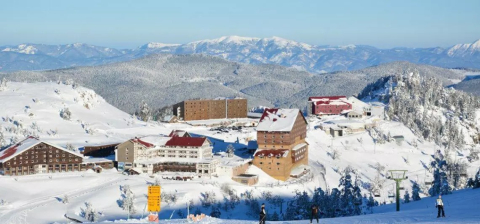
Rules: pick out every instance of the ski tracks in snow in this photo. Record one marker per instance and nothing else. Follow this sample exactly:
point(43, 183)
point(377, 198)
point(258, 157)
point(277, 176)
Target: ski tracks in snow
point(19, 214)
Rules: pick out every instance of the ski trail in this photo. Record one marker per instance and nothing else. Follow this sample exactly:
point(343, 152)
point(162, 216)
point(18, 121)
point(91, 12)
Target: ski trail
point(19, 214)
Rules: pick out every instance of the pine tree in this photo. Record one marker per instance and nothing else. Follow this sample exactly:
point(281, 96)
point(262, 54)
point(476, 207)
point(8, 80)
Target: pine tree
point(415, 192)
point(275, 216)
point(406, 197)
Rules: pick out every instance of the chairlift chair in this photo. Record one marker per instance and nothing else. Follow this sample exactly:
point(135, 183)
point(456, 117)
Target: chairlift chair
point(401, 186)
point(391, 194)
point(376, 193)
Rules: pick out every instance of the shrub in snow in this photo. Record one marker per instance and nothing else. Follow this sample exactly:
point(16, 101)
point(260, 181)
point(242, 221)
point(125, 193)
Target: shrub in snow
point(89, 213)
point(3, 84)
point(65, 114)
point(71, 147)
point(65, 199)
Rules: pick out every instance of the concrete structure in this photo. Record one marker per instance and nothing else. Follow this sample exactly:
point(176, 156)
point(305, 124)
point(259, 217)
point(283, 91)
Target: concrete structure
point(354, 114)
point(281, 142)
point(247, 179)
point(219, 108)
point(329, 105)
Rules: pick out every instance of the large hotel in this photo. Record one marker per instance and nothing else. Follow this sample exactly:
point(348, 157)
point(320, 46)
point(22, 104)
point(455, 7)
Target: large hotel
point(205, 109)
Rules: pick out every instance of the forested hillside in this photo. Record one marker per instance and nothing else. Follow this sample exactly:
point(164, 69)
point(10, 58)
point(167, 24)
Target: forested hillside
point(162, 80)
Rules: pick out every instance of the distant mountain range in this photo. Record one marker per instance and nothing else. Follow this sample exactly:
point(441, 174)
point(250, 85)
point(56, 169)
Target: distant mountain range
point(275, 50)
point(165, 79)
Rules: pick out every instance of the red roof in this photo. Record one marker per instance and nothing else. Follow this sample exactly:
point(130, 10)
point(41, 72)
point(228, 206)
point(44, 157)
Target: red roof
point(186, 141)
point(325, 97)
point(266, 111)
point(146, 144)
point(271, 152)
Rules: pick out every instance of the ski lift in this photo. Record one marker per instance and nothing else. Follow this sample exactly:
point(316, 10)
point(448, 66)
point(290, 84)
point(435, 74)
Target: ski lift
point(428, 180)
point(391, 194)
point(401, 186)
point(376, 193)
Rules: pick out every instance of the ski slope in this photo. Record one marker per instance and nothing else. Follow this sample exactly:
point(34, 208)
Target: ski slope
point(35, 109)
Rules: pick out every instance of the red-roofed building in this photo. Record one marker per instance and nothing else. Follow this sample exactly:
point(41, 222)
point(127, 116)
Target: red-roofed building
point(281, 142)
point(329, 105)
point(31, 156)
point(176, 154)
point(126, 153)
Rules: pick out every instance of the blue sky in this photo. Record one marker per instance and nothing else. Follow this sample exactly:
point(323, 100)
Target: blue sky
point(129, 24)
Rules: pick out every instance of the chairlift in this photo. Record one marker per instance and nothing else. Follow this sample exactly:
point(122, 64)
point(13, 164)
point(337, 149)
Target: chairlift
point(428, 180)
point(463, 175)
point(401, 186)
point(391, 194)
point(376, 193)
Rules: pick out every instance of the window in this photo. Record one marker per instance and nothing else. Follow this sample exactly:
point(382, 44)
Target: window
point(278, 164)
point(261, 163)
point(26, 157)
point(57, 155)
point(76, 159)
point(63, 155)
point(56, 160)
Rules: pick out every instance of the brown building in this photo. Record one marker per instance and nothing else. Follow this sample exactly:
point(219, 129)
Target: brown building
point(281, 142)
point(211, 109)
point(31, 156)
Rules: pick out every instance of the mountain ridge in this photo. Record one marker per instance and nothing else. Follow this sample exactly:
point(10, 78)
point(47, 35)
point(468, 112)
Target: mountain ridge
point(250, 50)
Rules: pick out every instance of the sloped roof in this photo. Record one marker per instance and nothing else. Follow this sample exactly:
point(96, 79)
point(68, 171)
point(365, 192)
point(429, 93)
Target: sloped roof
point(146, 144)
point(25, 145)
point(278, 119)
point(178, 133)
point(186, 141)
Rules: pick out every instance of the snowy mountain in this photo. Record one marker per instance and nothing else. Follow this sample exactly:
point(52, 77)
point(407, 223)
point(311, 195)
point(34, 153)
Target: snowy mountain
point(165, 79)
point(251, 50)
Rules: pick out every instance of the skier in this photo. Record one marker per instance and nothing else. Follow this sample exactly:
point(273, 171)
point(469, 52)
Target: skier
point(314, 213)
point(439, 206)
point(263, 214)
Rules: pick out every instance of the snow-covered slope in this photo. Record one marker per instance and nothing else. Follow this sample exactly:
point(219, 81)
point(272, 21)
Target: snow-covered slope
point(252, 50)
point(35, 108)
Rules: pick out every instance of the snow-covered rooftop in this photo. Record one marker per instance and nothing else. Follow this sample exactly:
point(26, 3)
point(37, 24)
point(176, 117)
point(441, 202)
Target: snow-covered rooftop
point(331, 100)
point(278, 120)
point(26, 144)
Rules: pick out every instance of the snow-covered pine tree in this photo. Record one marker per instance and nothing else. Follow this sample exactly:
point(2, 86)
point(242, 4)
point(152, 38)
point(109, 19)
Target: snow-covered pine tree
point(440, 184)
point(475, 182)
point(275, 216)
point(89, 213)
point(347, 190)
point(145, 112)
point(406, 197)
point(415, 192)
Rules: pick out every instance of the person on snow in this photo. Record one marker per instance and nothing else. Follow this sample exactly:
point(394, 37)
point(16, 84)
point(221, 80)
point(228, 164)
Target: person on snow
point(439, 206)
point(263, 214)
point(314, 213)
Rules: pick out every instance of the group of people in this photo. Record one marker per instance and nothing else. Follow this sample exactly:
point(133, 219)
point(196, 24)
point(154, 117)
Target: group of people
point(315, 211)
point(314, 214)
